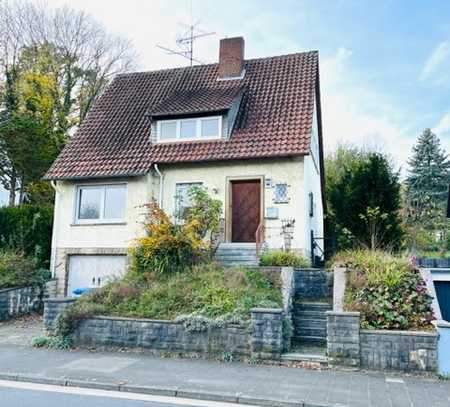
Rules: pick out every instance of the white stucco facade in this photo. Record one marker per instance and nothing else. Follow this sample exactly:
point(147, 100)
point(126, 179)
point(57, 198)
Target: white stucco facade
point(300, 174)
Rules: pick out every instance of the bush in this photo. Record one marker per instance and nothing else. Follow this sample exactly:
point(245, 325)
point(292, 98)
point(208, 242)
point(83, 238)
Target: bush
point(28, 229)
point(388, 291)
point(283, 259)
point(206, 295)
point(170, 247)
point(16, 270)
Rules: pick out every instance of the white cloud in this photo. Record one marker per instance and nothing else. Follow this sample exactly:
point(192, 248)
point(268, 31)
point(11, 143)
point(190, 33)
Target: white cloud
point(440, 54)
point(354, 113)
point(442, 128)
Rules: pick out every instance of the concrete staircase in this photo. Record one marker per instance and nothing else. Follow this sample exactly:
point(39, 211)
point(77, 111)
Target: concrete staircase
point(310, 322)
point(236, 254)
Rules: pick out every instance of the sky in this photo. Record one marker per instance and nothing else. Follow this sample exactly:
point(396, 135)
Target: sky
point(384, 65)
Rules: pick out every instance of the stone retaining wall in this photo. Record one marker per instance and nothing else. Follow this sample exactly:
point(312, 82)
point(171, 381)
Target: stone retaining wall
point(406, 351)
point(22, 300)
point(53, 308)
point(163, 336)
point(343, 346)
point(263, 339)
point(313, 284)
point(398, 350)
point(267, 333)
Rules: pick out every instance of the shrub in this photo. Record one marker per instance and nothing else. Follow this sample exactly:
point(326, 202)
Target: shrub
point(170, 247)
point(388, 291)
point(52, 342)
point(283, 259)
point(16, 270)
point(28, 228)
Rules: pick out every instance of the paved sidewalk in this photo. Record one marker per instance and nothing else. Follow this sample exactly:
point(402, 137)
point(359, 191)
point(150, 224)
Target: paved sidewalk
point(235, 382)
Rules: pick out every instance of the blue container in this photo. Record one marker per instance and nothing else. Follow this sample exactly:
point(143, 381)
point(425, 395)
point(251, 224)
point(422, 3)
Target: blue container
point(443, 328)
point(80, 291)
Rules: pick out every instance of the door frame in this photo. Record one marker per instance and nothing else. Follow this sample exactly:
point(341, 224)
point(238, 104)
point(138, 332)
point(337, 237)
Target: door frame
point(228, 201)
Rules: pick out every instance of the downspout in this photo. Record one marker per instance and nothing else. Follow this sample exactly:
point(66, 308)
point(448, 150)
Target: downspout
point(161, 185)
point(55, 229)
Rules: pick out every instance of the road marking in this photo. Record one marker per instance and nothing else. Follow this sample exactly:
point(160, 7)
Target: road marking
point(113, 394)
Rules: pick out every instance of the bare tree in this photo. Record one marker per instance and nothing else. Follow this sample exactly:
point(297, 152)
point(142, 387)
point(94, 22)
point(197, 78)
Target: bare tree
point(85, 57)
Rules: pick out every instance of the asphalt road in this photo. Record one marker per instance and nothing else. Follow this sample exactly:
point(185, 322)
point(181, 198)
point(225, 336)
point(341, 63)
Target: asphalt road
point(14, 394)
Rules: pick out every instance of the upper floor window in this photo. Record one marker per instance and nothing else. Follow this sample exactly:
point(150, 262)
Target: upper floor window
point(202, 128)
point(100, 203)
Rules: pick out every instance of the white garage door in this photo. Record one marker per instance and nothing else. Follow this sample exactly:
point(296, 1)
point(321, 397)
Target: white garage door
point(93, 271)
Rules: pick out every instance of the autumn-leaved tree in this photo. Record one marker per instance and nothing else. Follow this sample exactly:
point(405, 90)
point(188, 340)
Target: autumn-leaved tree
point(54, 64)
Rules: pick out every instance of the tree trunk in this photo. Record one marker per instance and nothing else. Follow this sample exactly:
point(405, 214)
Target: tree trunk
point(21, 191)
point(12, 189)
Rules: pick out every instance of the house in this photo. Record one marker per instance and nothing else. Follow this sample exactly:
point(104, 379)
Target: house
point(247, 130)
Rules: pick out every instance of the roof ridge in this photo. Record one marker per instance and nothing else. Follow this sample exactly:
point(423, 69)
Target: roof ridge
point(182, 68)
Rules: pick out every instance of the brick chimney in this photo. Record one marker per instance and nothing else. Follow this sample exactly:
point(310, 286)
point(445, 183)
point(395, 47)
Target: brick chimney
point(231, 57)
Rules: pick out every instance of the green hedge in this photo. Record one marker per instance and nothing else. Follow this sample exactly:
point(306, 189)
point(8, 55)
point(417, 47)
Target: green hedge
point(16, 270)
point(28, 228)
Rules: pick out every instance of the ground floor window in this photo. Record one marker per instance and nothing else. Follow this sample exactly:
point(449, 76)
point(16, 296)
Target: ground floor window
point(183, 199)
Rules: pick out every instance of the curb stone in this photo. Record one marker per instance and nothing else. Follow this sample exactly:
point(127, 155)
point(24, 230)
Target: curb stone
point(256, 401)
point(154, 390)
point(208, 395)
point(158, 391)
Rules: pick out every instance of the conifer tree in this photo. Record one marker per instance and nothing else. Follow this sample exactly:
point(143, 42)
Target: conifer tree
point(428, 179)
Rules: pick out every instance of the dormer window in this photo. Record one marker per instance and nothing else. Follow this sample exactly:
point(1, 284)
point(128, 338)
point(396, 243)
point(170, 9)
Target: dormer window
point(201, 128)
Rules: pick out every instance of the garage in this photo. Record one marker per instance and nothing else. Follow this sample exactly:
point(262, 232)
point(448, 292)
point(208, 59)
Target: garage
point(91, 271)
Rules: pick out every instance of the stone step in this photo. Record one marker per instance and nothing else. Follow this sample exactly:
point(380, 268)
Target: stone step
point(235, 256)
point(299, 313)
point(312, 306)
point(305, 357)
point(312, 340)
point(309, 323)
point(311, 331)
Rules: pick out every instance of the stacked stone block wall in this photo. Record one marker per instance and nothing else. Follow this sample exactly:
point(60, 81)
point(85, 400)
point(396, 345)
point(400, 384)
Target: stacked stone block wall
point(53, 308)
point(398, 350)
point(267, 333)
point(22, 300)
point(405, 351)
point(343, 347)
point(163, 336)
point(263, 339)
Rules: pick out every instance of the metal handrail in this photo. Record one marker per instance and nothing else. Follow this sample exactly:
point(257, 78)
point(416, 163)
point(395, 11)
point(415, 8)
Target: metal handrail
point(259, 237)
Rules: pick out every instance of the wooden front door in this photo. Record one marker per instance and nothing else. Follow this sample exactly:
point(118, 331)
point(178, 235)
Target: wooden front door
point(245, 210)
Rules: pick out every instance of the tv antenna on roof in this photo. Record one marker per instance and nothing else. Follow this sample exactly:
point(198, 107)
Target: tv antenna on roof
point(185, 41)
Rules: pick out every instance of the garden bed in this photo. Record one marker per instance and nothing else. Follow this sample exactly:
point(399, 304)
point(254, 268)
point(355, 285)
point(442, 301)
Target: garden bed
point(389, 292)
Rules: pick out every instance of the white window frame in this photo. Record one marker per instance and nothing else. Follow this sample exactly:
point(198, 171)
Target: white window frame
point(201, 184)
point(197, 137)
point(101, 219)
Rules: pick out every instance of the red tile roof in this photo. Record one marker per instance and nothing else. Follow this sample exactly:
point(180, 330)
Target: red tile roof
point(188, 101)
point(274, 120)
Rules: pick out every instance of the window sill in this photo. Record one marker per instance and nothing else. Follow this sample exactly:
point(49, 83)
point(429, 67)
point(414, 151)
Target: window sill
point(100, 224)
